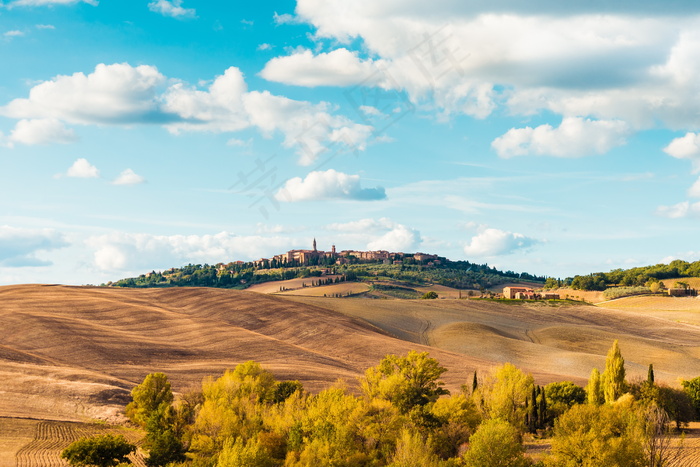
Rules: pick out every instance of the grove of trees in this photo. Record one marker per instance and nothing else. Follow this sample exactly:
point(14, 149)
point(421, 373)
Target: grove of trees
point(641, 276)
point(403, 416)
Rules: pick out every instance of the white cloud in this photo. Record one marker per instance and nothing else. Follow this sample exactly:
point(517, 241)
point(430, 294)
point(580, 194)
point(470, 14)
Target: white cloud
point(128, 177)
point(400, 239)
point(686, 147)
point(219, 109)
point(377, 234)
point(265, 46)
point(339, 67)
point(41, 131)
point(286, 18)
point(13, 33)
point(575, 137)
point(45, 26)
point(594, 60)
point(495, 242)
point(112, 94)
point(120, 94)
point(680, 210)
point(19, 246)
point(327, 185)
point(309, 128)
point(119, 252)
point(172, 8)
point(81, 168)
point(370, 111)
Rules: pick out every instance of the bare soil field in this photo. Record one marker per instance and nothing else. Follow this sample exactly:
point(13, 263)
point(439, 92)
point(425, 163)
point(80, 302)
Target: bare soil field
point(677, 309)
point(74, 353)
point(694, 282)
point(689, 446)
point(552, 342)
point(446, 292)
point(590, 296)
point(39, 443)
point(278, 286)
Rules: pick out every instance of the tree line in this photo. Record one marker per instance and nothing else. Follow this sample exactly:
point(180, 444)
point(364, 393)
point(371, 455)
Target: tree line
point(640, 276)
point(458, 274)
point(404, 416)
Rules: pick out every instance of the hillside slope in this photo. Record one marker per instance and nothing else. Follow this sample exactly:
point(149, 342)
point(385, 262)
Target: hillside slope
point(75, 352)
point(567, 341)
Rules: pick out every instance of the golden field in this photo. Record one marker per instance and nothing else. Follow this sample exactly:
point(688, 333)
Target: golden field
point(70, 355)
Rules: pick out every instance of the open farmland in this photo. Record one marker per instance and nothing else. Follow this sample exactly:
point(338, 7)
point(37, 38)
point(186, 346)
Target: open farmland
point(71, 354)
point(563, 340)
point(680, 309)
point(38, 443)
point(75, 352)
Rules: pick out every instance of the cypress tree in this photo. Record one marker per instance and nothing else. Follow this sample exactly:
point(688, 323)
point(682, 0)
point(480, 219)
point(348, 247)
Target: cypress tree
point(475, 383)
point(650, 374)
point(543, 409)
point(534, 416)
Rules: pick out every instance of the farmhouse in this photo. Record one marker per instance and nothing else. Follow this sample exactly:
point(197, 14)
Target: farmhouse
point(517, 292)
point(526, 293)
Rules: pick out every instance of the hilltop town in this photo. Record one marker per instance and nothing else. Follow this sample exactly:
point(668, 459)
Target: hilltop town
point(350, 265)
point(294, 258)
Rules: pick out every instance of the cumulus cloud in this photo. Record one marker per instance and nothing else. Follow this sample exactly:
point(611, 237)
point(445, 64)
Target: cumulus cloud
point(81, 168)
point(495, 242)
point(13, 33)
point(227, 106)
point(327, 185)
point(378, 234)
point(41, 131)
point(339, 67)
point(400, 238)
point(112, 94)
point(686, 147)
point(19, 246)
point(118, 251)
point(129, 177)
point(575, 137)
point(172, 8)
point(120, 94)
point(310, 128)
point(634, 63)
point(219, 108)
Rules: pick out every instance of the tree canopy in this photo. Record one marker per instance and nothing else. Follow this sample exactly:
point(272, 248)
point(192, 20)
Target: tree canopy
point(101, 451)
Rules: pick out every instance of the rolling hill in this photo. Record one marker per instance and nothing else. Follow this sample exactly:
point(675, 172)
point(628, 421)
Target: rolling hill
point(563, 340)
point(74, 353)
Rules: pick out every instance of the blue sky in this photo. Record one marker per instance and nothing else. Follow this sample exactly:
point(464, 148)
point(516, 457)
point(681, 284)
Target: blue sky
point(140, 135)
